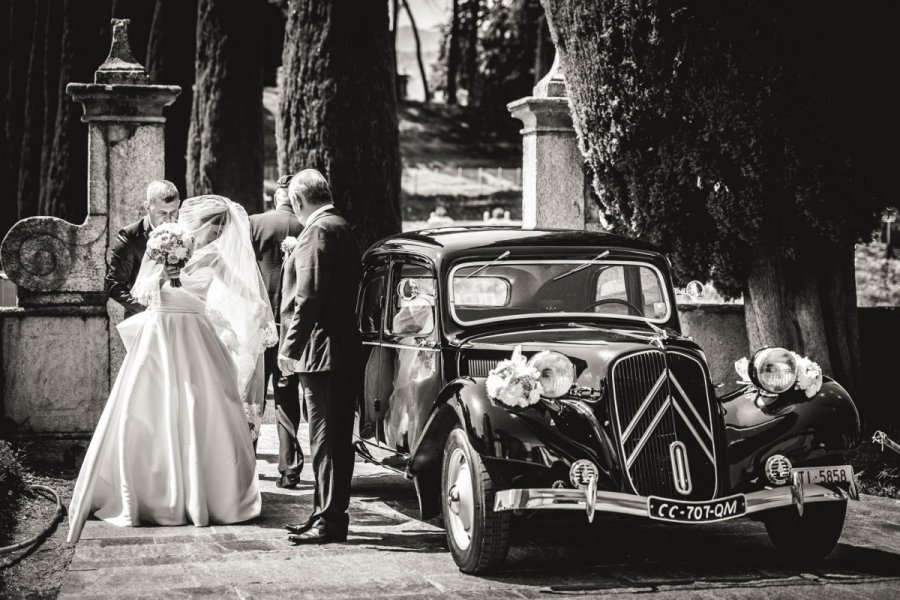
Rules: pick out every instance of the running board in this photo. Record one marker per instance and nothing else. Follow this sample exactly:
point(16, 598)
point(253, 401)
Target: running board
point(392, 462)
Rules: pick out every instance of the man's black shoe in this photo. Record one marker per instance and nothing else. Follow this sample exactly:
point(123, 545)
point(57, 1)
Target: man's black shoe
point(300, 528)
point(317, 536)
point(288, 482)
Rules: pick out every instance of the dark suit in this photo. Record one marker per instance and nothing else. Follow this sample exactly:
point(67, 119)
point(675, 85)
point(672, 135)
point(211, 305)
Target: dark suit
point(319, 330)
point(124, 261)
point(267, 231)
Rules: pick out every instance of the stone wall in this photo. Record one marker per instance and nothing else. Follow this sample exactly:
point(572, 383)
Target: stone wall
point(55, 374)
point(60, 349)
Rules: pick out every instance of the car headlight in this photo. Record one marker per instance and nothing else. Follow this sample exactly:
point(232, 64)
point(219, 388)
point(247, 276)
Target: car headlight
point(557, 372)
point(773, 370)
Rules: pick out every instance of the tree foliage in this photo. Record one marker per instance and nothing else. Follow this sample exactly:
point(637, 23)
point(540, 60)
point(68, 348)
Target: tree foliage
point(715, 128)
point(502, 60)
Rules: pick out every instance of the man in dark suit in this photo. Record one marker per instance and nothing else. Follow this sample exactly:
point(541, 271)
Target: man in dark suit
point(320, 341)
point(267, 232)
point(127, 250)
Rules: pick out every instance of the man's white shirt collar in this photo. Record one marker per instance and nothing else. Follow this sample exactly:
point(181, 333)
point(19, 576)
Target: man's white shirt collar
point(317, 212)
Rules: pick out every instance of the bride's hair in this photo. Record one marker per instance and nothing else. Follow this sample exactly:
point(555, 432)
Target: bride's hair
point(205, 217)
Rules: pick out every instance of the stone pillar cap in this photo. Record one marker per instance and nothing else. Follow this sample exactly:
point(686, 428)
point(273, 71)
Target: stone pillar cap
point(553, 84)
point(121, 66)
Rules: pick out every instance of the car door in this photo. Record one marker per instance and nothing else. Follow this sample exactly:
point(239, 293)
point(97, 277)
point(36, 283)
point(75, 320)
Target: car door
point(370, 311)
point(411, 350)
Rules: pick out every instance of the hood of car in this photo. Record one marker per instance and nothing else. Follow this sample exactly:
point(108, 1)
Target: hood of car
point(591, 349)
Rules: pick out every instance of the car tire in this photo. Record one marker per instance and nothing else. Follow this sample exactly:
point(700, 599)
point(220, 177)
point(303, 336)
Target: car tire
point(810, 537)
point(477, 536)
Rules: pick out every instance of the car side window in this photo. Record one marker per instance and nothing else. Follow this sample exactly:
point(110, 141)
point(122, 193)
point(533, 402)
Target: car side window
point(371, 299)
point(412, 306)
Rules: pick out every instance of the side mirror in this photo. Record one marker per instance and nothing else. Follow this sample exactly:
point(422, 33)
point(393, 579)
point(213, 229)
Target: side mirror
point(694, 289)
point(408, 290)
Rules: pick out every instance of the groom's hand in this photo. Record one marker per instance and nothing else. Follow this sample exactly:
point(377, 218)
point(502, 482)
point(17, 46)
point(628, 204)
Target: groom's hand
point(286, 365)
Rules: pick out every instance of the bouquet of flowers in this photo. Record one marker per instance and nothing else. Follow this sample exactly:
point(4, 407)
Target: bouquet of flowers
point(288, 245)
point(513, 382)
point(170, 245)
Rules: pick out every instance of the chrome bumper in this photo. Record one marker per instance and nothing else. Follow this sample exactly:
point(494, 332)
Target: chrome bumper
point(796, 494)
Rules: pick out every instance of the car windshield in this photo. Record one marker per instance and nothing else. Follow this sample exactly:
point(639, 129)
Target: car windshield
point(513, 289)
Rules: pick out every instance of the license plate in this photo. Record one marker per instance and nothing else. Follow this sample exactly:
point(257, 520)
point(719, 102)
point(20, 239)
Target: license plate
point(682, 511)
point(841, 474)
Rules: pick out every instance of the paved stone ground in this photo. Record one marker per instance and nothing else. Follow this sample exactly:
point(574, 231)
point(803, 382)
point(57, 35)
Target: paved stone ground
point(390, 553)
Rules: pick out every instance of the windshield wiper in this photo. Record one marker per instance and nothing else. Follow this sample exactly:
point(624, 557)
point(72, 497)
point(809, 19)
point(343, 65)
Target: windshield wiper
point(485, 266)
point(582, 266)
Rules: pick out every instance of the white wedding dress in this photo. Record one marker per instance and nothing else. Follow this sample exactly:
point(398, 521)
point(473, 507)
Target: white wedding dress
point(173, 444)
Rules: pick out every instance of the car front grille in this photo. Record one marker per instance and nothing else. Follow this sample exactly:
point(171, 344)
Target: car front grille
point(665, 425)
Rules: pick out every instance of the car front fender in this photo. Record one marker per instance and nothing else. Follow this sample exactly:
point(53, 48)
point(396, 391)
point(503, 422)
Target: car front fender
point(520, 438)
point(808, 431)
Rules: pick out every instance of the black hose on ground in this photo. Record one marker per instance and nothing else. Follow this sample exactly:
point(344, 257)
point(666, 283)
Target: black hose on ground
point(60, 511)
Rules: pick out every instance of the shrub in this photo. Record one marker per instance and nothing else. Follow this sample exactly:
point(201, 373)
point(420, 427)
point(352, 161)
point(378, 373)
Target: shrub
point(12, 489)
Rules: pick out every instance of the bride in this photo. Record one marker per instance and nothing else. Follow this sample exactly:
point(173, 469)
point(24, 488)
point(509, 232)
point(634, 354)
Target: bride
point(173, 443)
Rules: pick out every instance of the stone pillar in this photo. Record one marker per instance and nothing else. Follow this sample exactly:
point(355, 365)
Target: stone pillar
point(59, 344)
point(553, 181)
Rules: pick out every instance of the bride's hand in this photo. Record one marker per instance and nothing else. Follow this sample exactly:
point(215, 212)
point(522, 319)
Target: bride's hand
point(169, 272)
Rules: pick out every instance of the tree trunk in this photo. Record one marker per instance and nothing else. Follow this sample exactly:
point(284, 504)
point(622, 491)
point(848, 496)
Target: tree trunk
point(225, 141)
point(453, 54)
point(339, 108)
point(808, 306)
point(51, 73)
point(172, 41)
point(29, 178)
point(83, 46)
point(470, 59)
point(21, 32)
point(7, 211)
point(422, 72)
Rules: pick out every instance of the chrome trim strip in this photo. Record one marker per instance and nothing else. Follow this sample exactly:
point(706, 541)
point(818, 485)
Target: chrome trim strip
point(402, 346)
point(690, 404)
point(643, 408)
point(681, 472)
point(650, 428)
point(696, 435)
point(628, 504)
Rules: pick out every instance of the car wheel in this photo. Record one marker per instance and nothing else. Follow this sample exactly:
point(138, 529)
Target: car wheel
point(478, 537)
point(810, 537)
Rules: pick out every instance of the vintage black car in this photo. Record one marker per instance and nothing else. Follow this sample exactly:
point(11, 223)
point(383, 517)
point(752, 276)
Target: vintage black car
point(627, 420)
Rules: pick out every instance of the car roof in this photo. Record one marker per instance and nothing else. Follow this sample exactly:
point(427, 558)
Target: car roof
point(447, 243)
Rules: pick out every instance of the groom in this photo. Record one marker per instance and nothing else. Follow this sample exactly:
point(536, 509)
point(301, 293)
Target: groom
point(320, 342)
point(127, 250)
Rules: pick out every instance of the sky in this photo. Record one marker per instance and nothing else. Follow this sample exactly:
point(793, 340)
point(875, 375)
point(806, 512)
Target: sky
point(428, 13)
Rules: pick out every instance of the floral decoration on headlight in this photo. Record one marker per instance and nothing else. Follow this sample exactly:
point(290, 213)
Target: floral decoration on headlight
point(809, 374)
point(513, 382)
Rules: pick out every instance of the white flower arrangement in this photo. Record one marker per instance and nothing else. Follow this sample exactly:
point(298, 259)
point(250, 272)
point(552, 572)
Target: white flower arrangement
point(513, 382)
point(288, 245)
point(742, 367)
point(170, 244)
point(809, 374)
